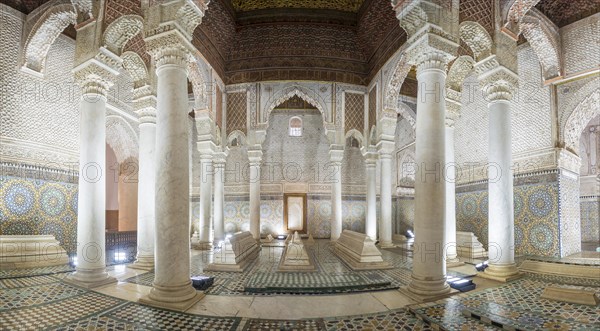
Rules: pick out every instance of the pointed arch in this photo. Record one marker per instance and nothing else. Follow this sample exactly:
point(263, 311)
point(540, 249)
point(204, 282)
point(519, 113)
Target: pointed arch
point(353, 133)
point(460, 69)
point(477, 38)
point(120, 31)
point(407, 113)
point(544, 38)
point(234, 137)
point(136, 68)
point(585, 111)
point(121, 137)
point(295, 90)
point(512, 13)
point(51, 23)
point(401, 68)
point(198, 76)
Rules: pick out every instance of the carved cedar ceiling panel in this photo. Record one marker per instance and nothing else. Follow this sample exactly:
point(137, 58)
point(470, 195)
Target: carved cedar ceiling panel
point(478, 11)
point(24, 6)
point(342, 5)
point(300, 40)
point(565, 12)
point(118, 8)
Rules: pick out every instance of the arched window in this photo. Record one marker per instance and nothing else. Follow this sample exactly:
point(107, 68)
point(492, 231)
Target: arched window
point(295, 127)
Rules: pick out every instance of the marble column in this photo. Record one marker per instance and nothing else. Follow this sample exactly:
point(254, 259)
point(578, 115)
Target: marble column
point(172, 287)
point(385, 183)
point(206, 181)
point(219, 178)
point(501, 234)
point(255, 158)
point(450, 178)
point(91, 218)
point(146, 190)
point(336, 155)
point(371, 221)
point(428, 278)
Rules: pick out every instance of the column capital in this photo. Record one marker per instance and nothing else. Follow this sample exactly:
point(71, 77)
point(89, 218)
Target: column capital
point(336, 153)
point(385, 148)
point(206, 147)
point(169, 28)
point(497, 82)
point(169, 48)
point(255, 156)
point(95, 77)
point(145, 104)
point(219, 158)
point(429, 59)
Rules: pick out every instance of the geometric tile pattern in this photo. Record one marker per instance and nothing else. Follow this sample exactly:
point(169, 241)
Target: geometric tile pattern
point(536, 205)
point(354, 115)
point(590, 221)
point(27, 281)
point(237, 215)
point(149, 317)
point(35, 295)
point(32, 207)
point(29, 272)
point(333, 276)
point(55, 313)
point(261, 324)
point(395, 320)
point(516, 304)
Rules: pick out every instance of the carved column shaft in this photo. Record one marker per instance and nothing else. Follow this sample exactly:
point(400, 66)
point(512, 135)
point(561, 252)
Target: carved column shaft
point(206, 181)
point(385, 225)
point(91, 215)
point(172, 287)
point(146, 188)
point(428, 274)
point(336, 155)
point(371, 221)
point(452, 112)
point(219, 178)
point(498, 85)
point(255, 158)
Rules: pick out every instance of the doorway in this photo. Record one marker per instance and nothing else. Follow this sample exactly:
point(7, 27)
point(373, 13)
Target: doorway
point(294, 212)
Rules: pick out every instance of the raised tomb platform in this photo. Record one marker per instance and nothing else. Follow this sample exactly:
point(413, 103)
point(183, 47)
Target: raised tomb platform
point(358, 252)
point(17, 252)
point(295, 257)
point(468, 245)
point(236, 254)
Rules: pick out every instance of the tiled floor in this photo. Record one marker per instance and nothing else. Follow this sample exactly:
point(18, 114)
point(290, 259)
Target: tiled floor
point(45, 302)
point(333, 276)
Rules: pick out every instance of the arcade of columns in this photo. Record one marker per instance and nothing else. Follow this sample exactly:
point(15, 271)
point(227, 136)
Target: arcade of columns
point(163, 224)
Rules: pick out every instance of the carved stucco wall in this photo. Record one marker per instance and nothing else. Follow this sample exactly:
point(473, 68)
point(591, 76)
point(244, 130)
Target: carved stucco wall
point(580, 46)
point(284, 155)
point(40, 118)
point(531, 114)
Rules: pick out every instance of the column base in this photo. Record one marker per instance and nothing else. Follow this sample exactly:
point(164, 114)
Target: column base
point(143, 263)
point(386, 244)
point(427, 290)
point(453, 262)
point(202, 246)
point(90, 278)
point(181, 306)
point(419, 298)
point(501, 273)
point(178, 297)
